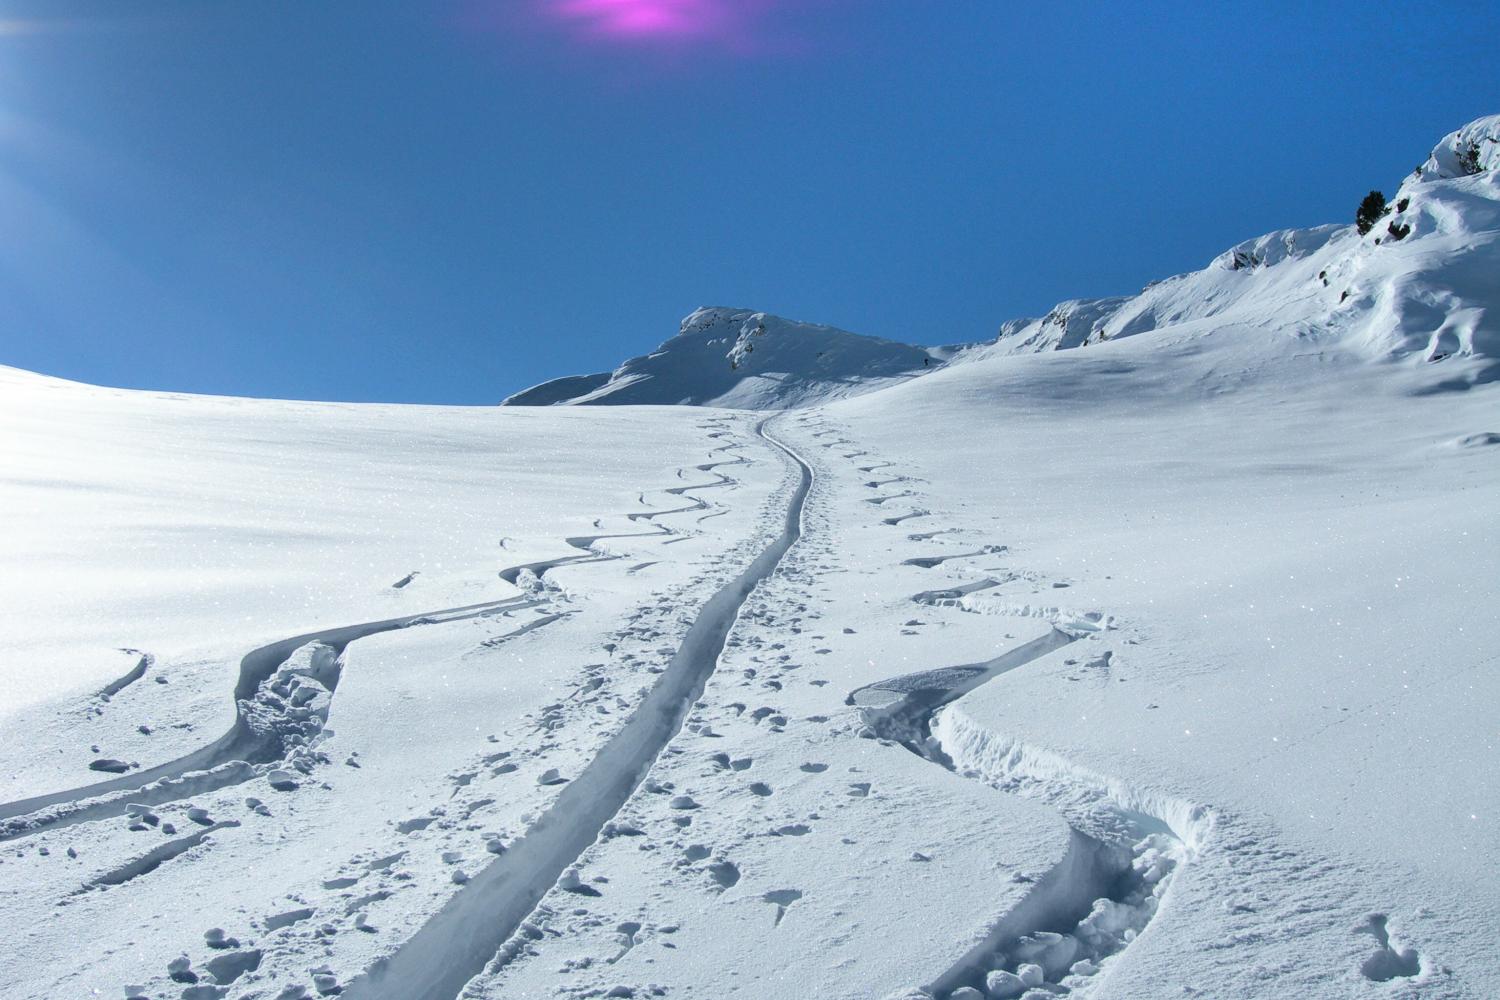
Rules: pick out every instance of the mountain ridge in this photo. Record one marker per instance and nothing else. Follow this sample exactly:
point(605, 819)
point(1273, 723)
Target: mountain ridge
point(1416, 288)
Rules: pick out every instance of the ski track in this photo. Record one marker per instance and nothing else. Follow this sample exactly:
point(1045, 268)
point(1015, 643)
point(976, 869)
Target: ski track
point(928, 562)
point(901, 710)
point(457, 942)
point(154, 858)
point(143, 663)
point(242, 754)
point(233, 757)
point(950, 596)
point(460, 939)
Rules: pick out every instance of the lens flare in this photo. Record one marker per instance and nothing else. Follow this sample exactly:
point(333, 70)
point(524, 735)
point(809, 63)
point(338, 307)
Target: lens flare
point(636, 18)
point(671, 33)
point(732, 22)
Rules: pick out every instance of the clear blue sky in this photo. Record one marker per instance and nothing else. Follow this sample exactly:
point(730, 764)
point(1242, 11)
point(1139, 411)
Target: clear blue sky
point(448, 200)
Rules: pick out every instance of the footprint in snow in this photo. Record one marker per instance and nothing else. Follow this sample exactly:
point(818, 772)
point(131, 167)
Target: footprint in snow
point(782, 898)
point(1391, 961)
point(414, 824)
point(725, 873)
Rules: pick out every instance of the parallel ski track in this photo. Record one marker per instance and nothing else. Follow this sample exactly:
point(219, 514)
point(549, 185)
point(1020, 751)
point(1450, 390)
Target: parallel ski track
point(457, 942)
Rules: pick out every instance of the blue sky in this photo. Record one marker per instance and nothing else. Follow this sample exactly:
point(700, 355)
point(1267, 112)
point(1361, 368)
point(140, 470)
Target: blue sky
point(414, 200)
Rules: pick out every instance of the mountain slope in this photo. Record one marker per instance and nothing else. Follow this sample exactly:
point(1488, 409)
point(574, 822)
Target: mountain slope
point(1414, 289)
point(743, 359)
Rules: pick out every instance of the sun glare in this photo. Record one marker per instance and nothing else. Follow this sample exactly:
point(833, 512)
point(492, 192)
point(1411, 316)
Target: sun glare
point(14, 26)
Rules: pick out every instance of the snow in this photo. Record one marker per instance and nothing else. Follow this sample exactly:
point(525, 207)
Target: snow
point(738, 358)
point(1146, 651)
point(1300, 574)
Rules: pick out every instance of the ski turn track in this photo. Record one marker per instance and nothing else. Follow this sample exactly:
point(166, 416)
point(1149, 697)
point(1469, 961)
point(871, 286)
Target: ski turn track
point(1106, 889)
point(243, 753)
point(457, 942)
point(237, 756)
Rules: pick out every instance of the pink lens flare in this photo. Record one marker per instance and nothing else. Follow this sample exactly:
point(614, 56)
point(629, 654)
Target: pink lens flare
point(668, 31)
point(648, 18)
point(734, 24)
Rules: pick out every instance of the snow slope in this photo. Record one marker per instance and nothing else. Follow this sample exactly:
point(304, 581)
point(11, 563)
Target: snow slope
point(742, 359)
point(210, 522)
point(1295, 554)
point(393, 800)
point(1161, 667)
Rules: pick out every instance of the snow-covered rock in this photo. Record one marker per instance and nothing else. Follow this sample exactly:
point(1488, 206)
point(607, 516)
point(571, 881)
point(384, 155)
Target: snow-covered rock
point(744, 359)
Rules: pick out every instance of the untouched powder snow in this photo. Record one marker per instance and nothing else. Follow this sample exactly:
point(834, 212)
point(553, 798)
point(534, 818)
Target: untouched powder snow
point(1161, 664)
point(749, 360)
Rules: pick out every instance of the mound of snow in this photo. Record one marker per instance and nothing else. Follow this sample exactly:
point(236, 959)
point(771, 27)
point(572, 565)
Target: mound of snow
point(1477, 144)
point(738, 358)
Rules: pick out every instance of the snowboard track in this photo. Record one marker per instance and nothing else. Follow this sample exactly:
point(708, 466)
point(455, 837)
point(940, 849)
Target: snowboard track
point(457, 942)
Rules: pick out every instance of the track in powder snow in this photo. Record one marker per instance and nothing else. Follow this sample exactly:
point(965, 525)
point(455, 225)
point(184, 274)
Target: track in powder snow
point(460, 939)
point(245, 752)
point(1065, 902)
point(230, 759)
point(456, 943)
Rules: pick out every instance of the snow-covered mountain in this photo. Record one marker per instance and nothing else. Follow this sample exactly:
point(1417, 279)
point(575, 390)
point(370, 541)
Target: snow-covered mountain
point(1415, 288)
point(743, 359)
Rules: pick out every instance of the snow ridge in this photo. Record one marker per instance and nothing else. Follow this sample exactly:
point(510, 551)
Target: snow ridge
point(1415, 288)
